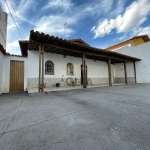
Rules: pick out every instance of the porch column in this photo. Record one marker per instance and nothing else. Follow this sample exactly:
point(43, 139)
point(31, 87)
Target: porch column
point(109, 71)
point(42, 67)
point(39, 66)
point(135, 71)
point(83, 70)
point(125, 73)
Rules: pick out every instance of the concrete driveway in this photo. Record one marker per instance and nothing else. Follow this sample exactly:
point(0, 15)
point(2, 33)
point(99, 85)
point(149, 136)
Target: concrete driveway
point(107, 118)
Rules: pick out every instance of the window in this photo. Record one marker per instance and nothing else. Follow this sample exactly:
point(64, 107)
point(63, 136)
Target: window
point(69, 69)
point(49, 68)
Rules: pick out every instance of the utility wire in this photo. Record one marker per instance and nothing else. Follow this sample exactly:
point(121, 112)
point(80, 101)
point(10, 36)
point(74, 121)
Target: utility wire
point(13, 18)
point(17, 18)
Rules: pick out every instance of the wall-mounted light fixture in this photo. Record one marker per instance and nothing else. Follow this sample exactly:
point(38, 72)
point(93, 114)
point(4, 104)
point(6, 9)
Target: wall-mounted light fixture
point(64, 56)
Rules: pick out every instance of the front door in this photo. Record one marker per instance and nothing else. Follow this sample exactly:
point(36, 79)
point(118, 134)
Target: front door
point(16, 76)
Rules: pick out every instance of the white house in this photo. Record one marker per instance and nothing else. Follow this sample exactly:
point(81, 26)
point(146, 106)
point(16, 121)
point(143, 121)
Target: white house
point(48, 60)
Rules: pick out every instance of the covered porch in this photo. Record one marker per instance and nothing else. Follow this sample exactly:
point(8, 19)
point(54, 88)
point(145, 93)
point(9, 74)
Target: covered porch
point(53, 45)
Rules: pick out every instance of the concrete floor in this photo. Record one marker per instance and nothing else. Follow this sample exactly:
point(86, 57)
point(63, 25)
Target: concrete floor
point(106, 118)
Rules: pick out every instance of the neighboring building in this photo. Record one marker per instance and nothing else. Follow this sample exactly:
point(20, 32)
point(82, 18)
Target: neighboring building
point(3, 33)
point(3, 28)
point(137, 40)
point(58, 59)
point(142, 67)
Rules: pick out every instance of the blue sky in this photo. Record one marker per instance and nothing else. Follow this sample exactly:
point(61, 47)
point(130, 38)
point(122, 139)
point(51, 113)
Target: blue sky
point(100, 23)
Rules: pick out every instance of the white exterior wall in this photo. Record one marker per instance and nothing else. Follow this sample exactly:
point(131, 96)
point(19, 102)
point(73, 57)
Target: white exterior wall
point(120, 75)
point(1, 72)
point(142, 67)
point(97, 71)
point(3, 28)
point(6, 72)
point(59, 64)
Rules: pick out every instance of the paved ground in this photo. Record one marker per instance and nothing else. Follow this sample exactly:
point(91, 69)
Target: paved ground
point(107, 118)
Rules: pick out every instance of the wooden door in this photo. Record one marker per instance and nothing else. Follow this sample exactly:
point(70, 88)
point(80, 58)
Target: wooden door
point(16, 76)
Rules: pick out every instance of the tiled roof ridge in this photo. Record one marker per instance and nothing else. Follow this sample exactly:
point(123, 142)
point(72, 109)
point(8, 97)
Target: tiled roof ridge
point(58, 38)
point(79, 40)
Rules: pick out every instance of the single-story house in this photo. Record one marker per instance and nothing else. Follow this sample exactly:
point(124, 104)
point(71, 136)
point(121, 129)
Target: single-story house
point(50, 61)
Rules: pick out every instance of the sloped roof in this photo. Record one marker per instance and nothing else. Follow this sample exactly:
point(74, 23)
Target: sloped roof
point(144, 37)
point(79, 41)
point(66, 47)
point(2, 49)
point(24, 47)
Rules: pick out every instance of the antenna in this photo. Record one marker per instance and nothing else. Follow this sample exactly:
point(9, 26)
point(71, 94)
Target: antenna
point(64, 29)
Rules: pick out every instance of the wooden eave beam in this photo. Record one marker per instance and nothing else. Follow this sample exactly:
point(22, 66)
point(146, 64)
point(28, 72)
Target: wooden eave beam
point(88, 53)
point(91, 53)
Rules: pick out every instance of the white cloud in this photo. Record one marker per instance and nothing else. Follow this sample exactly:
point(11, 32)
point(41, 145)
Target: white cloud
point(23, 8)
point(54, 25)
point(102, 7)
point(20, 9)
point(102, 28)
point(13, 47)
point(135, 32)
point(13, 44)
point(143, 31)
point(131, 18)
point(97, 8)
point(65, 4)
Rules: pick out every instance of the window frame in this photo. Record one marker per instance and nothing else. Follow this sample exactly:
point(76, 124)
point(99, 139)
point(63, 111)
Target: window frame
point(69, 73)
point(52, 67)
